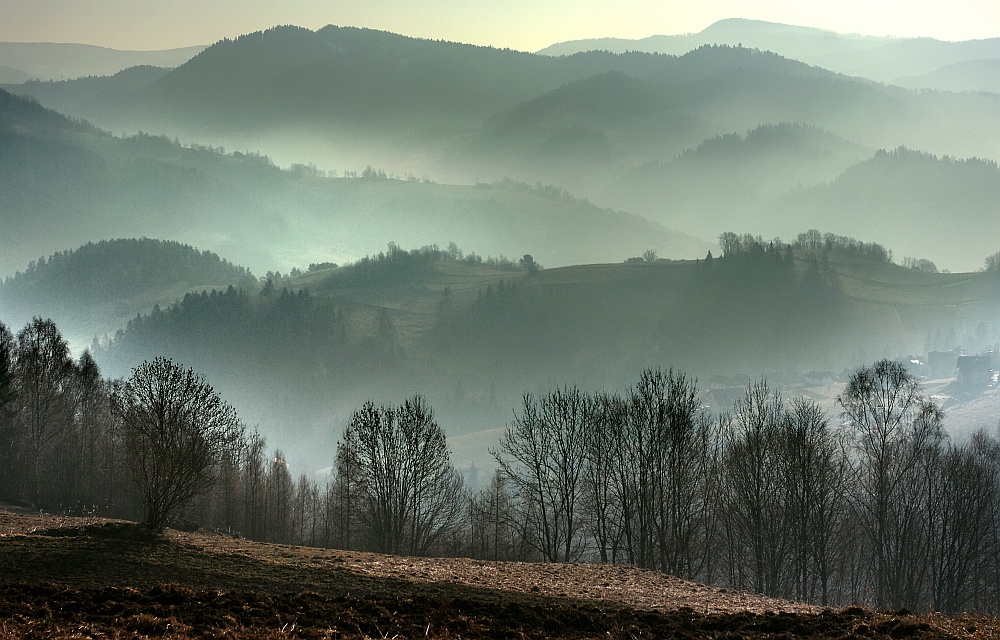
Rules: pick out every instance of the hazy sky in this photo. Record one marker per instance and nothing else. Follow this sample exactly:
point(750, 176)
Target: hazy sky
point(519, 24)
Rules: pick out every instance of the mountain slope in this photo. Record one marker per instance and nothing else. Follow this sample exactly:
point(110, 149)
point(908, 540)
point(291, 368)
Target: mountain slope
point(731, 181)
point(972, 75)
point(939, 208)
point(69, 183)
point(59, 61)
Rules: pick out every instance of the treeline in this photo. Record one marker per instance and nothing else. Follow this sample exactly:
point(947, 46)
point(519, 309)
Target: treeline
point(737, 244)
point(397, 265)
point(776, 496)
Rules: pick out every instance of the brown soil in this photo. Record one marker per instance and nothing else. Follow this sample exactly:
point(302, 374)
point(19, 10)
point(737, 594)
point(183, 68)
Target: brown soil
point(67, 577)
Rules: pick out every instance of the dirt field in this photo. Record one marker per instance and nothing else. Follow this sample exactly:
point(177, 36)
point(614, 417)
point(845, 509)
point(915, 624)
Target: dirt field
point(87, 578)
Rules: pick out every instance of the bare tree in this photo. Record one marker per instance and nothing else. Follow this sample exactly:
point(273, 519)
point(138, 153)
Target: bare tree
point(680, 474)
point(412, 492)
point(494, 530)
point(43, 372)
point(344, 495)
point(8, 434)
point(814, 468)
point(543, 453)
point(176, 429)
point(278, 505)
point(601, 505)
point(253, 474)
point(755, 477)
point(892, 429)
point(963, 529)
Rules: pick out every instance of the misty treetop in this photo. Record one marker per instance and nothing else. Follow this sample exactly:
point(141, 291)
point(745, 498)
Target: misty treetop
point(747, 244)
point(397, 266)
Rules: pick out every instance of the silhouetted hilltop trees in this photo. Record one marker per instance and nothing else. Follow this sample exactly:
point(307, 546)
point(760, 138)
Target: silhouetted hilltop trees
point(397, 266)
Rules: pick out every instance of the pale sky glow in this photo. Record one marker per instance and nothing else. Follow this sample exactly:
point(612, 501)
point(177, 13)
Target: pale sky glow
point(519, 24)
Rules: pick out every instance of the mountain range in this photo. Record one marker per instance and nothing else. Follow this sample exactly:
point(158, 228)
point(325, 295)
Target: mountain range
point(912, 62)
point(630, 131)
point(68, 183)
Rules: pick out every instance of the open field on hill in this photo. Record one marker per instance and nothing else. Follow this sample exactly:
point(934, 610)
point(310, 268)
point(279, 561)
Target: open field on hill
point(89, 578)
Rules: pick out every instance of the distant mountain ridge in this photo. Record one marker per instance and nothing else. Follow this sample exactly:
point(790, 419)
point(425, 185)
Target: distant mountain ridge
point(885, 59)
point(797, 41)
point(971, 75)
point(63, 61)
point(596, 123)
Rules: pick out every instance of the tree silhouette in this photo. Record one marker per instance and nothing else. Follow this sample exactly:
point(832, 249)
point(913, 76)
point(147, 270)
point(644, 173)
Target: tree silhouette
point(176, 429)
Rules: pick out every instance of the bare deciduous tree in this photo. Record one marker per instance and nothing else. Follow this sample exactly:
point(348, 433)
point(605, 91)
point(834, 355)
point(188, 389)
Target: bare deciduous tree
point(543, 453)
point(963, 529)
point(892, 431)
point(43, 371)
point(8, 435)
point(756, 511)
point(412, 491)
point(175, 429)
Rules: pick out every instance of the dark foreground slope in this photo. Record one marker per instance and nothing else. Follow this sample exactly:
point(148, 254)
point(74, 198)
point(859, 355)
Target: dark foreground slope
point(98, 579)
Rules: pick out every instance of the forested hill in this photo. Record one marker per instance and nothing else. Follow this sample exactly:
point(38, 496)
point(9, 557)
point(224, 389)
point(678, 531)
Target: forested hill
point(97, 287)
point(118, 268)
point(473, 335)
point(937, 207)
